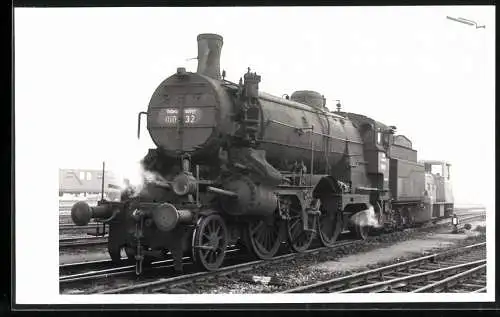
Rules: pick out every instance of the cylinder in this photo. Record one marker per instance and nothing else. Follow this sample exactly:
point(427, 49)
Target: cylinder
point(81, 213)
point(166, 217)
point(253, 200)
point(209, 51)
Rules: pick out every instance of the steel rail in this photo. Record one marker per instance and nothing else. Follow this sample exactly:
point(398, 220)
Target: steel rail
point(116, 271)
point(346, 281)
point(92, 265)
point(82, 242)
point(67, 226)
point(472, 217)
point(462, 218)
point(75, 239)
point(482, 289)
point(406, 280)
point(121, 270)
point(453, 280)
point(189, 278)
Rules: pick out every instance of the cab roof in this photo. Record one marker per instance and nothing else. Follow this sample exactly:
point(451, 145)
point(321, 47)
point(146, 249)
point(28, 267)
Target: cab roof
point(435, 162)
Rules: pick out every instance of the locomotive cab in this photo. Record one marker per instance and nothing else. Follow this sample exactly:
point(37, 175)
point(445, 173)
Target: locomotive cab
point(438, 182)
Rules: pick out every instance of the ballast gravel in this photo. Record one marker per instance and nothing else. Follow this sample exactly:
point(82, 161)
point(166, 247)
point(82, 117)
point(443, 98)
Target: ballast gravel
point(303, 270)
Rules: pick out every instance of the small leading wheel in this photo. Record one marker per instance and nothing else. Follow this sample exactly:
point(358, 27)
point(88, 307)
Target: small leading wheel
point(117, 253)
point(299, 239)
point(264, 238)
point(361, 228)
point(329, 227)
point(127, 254)
point(130, 256)
point(210, 242)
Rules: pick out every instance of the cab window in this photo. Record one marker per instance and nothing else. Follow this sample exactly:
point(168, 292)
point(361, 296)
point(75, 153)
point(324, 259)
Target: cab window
point(386, 139)
point(379, 138)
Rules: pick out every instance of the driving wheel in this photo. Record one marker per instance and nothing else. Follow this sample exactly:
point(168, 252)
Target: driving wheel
point(210, 242)
point(264, 237)
point(329, 227)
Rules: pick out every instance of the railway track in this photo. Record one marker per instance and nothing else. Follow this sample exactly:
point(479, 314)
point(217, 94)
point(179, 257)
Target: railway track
point(89, 269)
point(106, 269)
point(437, 272)
point(85, 266)
point(71, 227)
point(463, 218)
point(158, 285)
point(472, 280)
point(68, 243)
point(68, 282)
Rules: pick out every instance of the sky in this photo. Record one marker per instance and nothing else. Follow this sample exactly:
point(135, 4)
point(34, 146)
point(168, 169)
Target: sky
point(83, 74)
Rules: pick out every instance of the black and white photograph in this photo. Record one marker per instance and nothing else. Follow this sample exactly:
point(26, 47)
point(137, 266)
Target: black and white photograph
point(254, 154)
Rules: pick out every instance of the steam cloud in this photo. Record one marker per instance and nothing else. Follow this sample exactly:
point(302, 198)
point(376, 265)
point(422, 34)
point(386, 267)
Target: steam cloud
point(369, 219)
point(136, 186)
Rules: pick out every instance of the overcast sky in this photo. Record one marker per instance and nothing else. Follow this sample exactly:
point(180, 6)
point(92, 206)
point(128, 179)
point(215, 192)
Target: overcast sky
point(82, 75)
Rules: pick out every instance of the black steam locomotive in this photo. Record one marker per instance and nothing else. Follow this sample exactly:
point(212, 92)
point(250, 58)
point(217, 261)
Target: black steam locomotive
point(234, 165)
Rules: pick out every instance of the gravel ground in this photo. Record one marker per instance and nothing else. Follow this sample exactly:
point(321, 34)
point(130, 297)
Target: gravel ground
point(376, 251)
point(65, 219)
point(76, 232)
point(402, 249)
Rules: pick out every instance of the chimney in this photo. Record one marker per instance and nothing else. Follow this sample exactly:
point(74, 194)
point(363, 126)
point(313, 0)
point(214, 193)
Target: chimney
point(209, 48)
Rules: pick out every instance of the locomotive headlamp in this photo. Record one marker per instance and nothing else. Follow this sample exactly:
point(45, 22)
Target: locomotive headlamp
point(184, 184)
point(454, 220)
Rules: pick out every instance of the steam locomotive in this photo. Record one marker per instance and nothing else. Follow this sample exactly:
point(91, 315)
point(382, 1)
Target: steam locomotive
point(234, 165)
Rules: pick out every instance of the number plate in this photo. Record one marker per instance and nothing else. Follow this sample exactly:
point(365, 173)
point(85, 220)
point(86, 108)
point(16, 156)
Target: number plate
point(191, 116)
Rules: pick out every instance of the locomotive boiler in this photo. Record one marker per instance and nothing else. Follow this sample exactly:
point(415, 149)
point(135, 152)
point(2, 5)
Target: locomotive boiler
point(236, 166)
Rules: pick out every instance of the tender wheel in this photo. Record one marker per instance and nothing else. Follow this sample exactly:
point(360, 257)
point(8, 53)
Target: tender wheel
point(299, 239)
point(264, 238)
point(329, 227)
point(361, 228)
point(210, 242)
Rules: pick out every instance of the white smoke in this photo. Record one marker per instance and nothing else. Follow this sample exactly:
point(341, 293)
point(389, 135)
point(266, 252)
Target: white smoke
point(124, 157)
point(366, 217)
point(137, 184)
